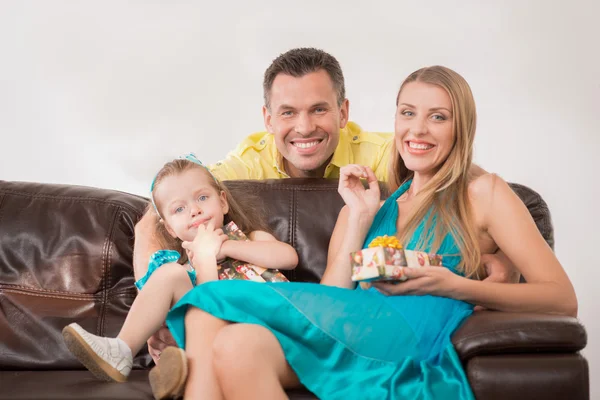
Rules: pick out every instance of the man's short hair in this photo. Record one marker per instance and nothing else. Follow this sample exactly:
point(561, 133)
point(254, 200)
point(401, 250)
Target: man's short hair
point(303, 61)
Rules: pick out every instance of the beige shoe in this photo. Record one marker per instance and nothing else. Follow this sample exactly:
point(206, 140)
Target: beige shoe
point(168, 378)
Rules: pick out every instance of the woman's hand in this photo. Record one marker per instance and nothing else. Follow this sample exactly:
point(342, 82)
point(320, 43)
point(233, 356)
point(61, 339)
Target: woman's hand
point(206, 245)
point(436, 281)
point(357, 198)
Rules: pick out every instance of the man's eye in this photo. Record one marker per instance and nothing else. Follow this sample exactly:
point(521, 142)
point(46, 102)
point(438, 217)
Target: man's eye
point(287, 113)
point(320, 110)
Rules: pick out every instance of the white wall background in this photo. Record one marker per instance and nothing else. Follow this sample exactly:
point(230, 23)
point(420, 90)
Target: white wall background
point(101, 93)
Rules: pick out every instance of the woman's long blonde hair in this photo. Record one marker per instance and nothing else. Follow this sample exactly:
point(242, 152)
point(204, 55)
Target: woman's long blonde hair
point(444, 201)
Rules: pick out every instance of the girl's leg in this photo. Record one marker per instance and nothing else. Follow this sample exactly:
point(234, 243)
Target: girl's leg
point(250, 364)
point(201, 329)
point(112, 358)
point(165, 287)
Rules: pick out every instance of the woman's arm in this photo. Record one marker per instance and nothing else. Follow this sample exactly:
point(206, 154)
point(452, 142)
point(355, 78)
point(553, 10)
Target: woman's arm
point(353, 223)
point(509, 223)
point(348, 236)
point(263, 249)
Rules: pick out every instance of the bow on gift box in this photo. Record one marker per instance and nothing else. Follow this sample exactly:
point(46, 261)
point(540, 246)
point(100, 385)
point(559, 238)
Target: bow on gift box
point(386, 241)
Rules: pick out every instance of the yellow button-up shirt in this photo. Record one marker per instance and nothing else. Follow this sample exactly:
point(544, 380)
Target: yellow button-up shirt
point(256, 157)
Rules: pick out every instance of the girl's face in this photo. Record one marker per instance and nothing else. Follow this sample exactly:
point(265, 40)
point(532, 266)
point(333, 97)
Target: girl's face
point(188, 199)
point(423, 127)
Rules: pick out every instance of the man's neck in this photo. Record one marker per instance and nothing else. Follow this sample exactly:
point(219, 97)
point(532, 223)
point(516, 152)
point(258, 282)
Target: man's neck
point(294, 172)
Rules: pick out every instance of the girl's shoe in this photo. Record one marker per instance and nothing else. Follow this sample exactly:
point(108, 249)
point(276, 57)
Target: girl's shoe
point(168, 378)
point(108, 359)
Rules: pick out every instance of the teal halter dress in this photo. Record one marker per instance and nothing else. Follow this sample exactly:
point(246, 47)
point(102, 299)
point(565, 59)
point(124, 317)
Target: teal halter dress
point(351, 344)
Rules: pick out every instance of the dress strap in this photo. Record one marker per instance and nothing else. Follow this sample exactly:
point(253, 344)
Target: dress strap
point(384, 222)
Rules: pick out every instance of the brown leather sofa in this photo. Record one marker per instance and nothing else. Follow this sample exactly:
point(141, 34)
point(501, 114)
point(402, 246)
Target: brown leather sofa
point(65, 255)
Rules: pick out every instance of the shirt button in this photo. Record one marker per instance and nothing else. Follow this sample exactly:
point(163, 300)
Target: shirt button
point(355, 138)
point(219, 163)
point(262, 142)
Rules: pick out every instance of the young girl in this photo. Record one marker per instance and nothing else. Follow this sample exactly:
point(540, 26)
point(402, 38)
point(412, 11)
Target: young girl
point(191, 206)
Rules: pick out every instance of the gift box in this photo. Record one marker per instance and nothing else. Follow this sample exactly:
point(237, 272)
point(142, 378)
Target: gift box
point(385, 260)
point(235, 269)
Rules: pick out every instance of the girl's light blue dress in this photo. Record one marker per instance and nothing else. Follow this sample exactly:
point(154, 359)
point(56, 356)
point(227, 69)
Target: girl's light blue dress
point(351, 344)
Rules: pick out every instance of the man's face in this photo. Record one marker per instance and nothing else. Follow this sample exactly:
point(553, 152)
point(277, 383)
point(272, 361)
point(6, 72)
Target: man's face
point(305, 120)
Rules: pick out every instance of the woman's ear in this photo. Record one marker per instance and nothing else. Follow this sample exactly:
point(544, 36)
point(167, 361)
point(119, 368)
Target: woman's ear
point(224, 203)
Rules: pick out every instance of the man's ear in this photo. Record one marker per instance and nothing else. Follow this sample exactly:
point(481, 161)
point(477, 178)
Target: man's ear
point(344, 113)
point(267, 119)
point(224, 203)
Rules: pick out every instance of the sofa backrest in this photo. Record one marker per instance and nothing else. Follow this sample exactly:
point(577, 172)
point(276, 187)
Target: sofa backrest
point(66, 256)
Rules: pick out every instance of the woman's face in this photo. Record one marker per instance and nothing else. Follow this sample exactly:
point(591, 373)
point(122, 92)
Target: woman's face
point(423, 128)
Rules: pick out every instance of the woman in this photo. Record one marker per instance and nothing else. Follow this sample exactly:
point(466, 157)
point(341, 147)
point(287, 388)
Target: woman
point(389, 340)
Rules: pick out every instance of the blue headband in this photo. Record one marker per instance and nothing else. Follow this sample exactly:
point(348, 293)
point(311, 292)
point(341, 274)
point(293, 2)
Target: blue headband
point(189, 157)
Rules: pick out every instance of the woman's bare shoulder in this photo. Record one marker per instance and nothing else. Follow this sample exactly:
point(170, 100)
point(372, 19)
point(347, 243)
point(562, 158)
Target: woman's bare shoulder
point(485, 188)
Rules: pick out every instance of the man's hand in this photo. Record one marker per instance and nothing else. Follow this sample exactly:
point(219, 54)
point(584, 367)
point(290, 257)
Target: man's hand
point(499, 269)
point(159, 342)
point(145, 243)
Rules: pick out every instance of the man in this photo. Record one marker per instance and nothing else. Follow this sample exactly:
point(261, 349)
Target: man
point(308, 135)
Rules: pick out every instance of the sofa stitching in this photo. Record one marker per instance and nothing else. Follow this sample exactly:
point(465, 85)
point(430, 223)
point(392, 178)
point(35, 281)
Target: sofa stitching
point(22, 288)
point(63, 297)
point(54, 294)
point(106, 248)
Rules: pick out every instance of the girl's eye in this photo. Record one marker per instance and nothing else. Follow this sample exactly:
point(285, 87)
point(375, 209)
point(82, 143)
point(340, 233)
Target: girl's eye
point(203, 198)
point(178, 209)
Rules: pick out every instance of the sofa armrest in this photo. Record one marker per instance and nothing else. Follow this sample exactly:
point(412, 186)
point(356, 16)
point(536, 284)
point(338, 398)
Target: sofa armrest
point(495, 332)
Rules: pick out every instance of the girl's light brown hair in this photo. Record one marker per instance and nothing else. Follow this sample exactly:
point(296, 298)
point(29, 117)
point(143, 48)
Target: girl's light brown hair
point(446, 194)
point(248, 218)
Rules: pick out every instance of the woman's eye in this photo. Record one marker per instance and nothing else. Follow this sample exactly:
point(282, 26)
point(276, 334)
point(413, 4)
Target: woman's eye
point(438, 117)
point(407, 113)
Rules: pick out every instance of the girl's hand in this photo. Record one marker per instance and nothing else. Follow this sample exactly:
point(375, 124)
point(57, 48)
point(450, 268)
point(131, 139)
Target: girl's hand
point(206, 244)
point(223, 254)
point(357, 198)
point(436, 281)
